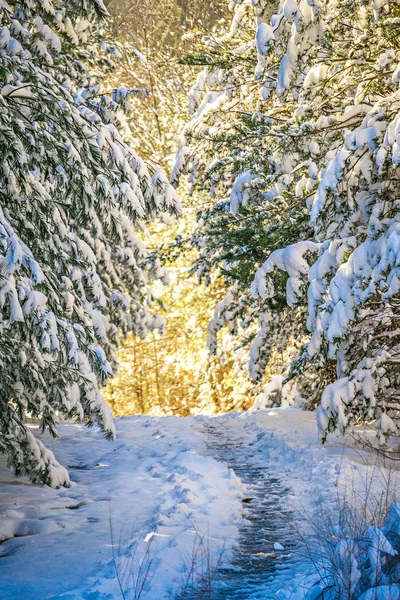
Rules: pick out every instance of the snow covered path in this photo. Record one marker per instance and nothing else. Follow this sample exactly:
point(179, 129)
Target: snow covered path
point(264, 526)
point(162, 486)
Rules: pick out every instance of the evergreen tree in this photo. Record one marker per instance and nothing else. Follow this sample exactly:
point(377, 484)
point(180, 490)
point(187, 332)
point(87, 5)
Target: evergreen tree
point(74, 272)
point(294, 130)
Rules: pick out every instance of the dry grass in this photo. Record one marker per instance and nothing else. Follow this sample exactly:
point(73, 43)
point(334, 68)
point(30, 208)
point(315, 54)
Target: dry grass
point(341, 543)
point(134, 555)
point(200, 568)
point(133, 560)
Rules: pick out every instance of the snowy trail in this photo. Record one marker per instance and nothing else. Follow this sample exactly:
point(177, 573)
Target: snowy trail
point(265, 517)
point(167, 479)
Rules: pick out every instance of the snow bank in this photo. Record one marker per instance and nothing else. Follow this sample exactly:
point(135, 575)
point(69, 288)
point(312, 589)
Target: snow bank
point(154, 483)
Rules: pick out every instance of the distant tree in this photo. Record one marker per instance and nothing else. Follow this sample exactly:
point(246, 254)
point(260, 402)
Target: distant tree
point(162, 32)
point(163, 23)
point(173, 373)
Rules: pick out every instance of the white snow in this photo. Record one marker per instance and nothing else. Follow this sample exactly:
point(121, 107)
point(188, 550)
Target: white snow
point(290, 259)
point(156, 488)
point(153, 482)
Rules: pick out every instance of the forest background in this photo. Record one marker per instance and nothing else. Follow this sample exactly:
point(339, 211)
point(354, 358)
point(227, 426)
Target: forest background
point(174, 372)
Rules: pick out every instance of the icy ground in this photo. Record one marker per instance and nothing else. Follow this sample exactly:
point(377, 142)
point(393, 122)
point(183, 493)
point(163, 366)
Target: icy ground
point(163, 498)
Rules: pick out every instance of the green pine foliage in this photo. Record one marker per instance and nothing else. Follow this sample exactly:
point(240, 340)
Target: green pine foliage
point(73, 195)
point(294, 135)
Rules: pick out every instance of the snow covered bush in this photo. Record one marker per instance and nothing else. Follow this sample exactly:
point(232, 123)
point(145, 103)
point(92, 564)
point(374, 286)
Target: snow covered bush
point(294, 130)
point(74, 272)
point(356, 552)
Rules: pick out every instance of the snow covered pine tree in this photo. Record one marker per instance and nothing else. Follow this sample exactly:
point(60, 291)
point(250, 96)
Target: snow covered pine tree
point(73, 272)
point(303, 159)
